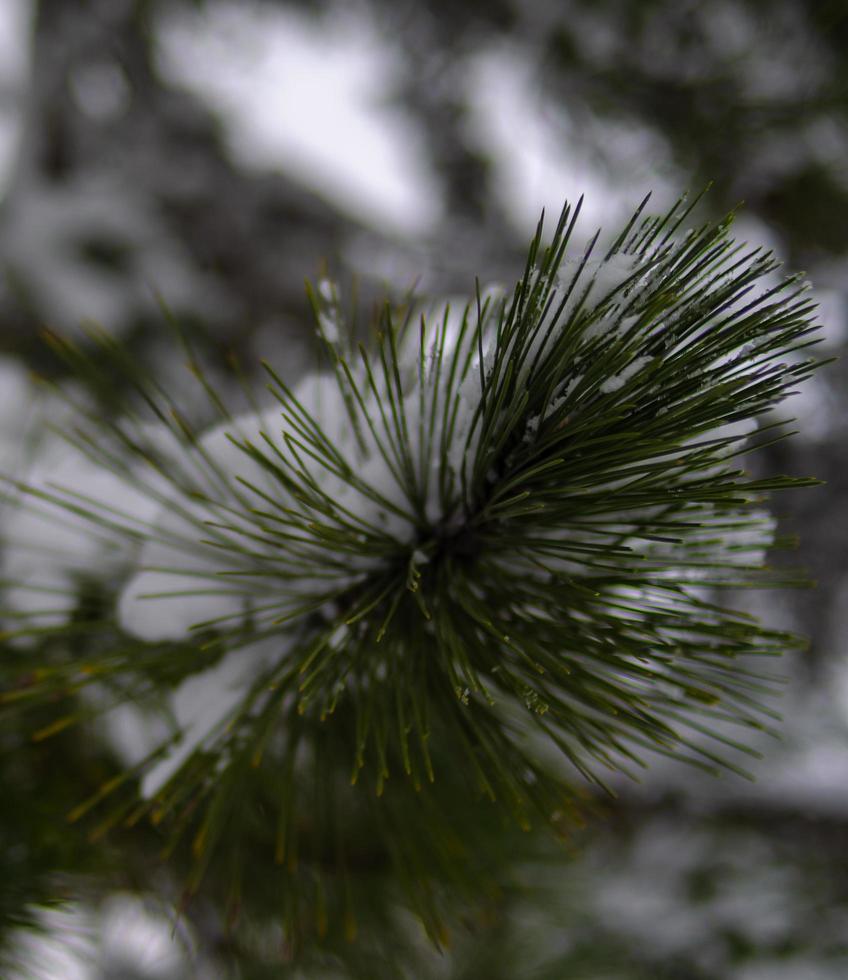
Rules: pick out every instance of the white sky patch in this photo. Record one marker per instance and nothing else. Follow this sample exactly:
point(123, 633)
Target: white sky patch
point(307, 98)
point(812, 407)
point(17, 398)
point(541, 157)
point(755, 233)
point(833, 316)
point(15, 28)
point(811, 404)
point(15, 23)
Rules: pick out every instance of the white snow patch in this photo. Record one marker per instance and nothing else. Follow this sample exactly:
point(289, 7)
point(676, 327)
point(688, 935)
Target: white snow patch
point(205, 701)
point(190, 572)
point(54, 224)
point(620, 380)
point(49, 542)
point(330, 326)
point(125, 934)
point(544, 153)
point(308, 97)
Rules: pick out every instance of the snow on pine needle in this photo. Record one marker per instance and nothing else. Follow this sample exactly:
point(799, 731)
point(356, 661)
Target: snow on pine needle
point(502, 525)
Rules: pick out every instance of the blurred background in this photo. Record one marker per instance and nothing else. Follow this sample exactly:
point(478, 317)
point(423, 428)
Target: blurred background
point(211, 156)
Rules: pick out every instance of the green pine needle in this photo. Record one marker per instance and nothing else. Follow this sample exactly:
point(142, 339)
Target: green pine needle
point(519, 546)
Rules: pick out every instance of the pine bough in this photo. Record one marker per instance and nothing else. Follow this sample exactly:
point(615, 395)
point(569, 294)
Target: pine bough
point(494, 531)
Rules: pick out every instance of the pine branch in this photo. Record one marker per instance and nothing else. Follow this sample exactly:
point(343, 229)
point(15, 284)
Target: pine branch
point(497, 531)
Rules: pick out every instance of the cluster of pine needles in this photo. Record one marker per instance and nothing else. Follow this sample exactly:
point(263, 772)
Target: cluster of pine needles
point(576, 521)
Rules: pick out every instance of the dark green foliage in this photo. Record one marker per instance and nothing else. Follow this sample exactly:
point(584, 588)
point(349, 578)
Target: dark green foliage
point(544, 585)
